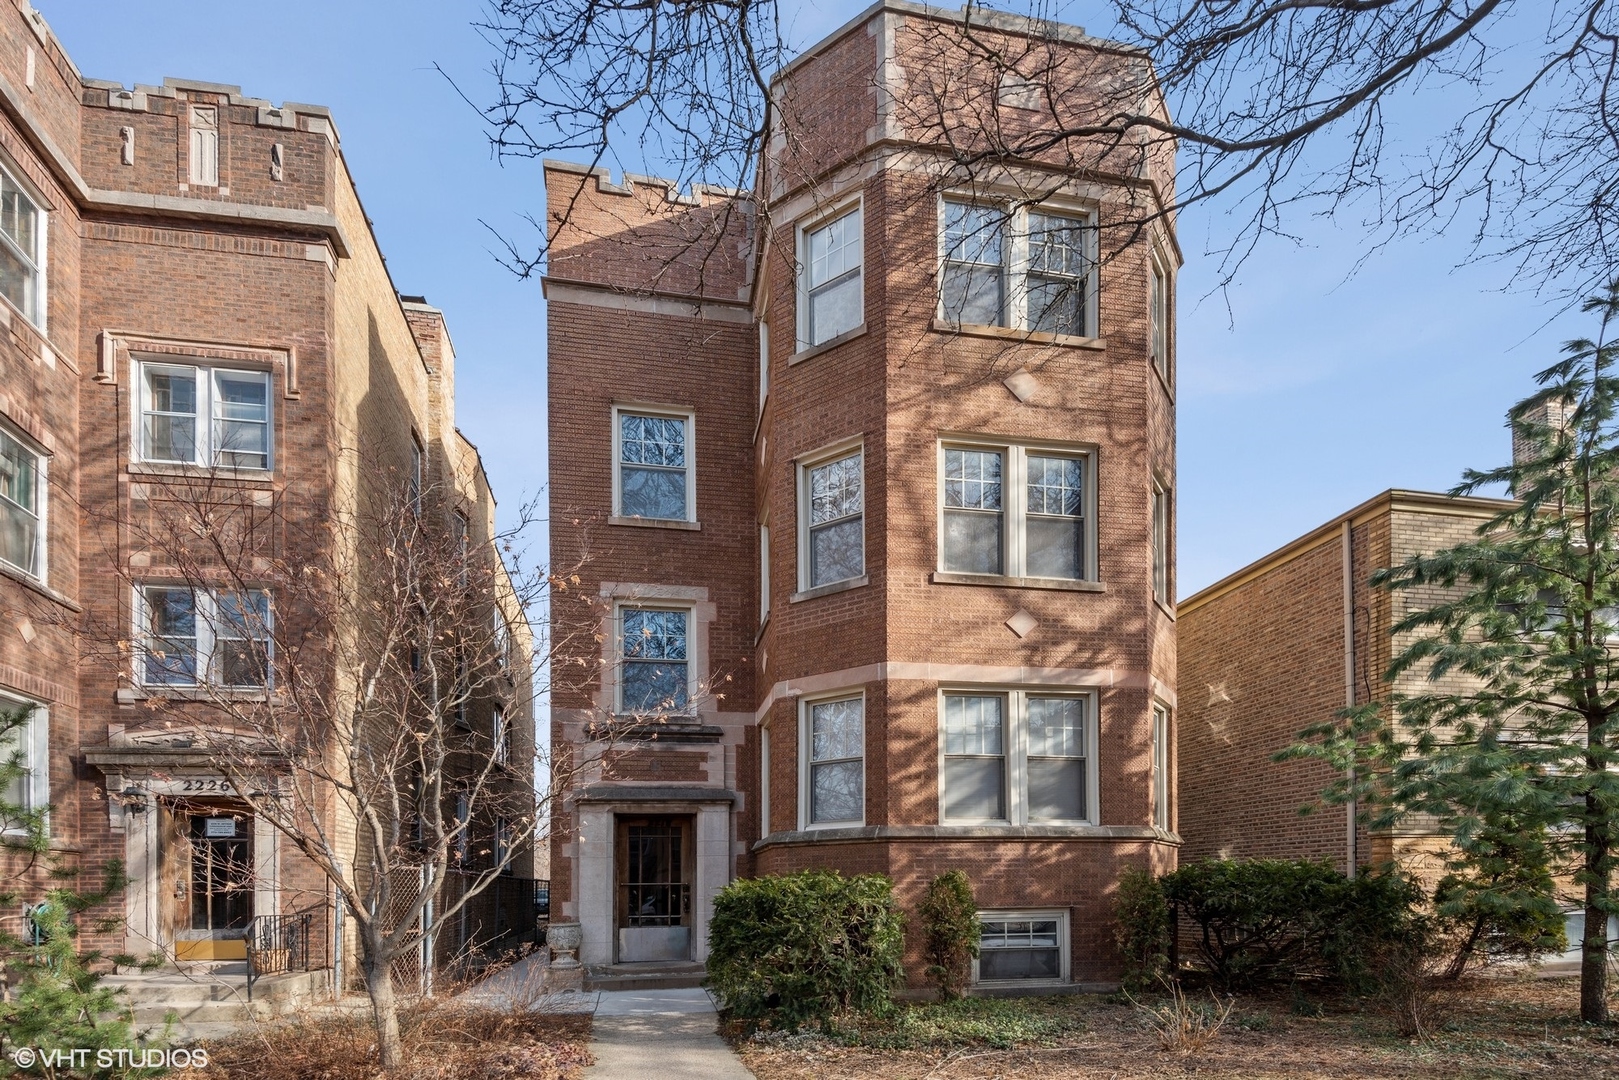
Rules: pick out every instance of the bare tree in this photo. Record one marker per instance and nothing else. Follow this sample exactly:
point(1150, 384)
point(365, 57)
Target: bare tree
point(331, 665)
point(1404, 116)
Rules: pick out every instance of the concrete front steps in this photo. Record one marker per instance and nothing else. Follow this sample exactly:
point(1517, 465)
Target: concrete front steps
point(685, 975)
point(211, 998)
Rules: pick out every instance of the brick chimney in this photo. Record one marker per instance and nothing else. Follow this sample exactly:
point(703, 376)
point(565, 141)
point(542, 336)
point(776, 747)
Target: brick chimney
point(1552, 412)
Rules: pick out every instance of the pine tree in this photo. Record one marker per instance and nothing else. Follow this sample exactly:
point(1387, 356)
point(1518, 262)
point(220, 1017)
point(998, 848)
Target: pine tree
point(1511, 745)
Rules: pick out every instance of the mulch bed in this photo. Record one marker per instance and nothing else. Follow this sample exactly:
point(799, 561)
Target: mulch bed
point(442, 1042)
point(1489, 1028)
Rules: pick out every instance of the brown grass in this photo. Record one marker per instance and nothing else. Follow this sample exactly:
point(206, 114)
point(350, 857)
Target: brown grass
point(1494, 1028)
point(443, 1041)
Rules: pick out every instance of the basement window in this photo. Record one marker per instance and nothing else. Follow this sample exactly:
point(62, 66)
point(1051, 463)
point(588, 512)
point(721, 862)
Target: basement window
point(1022, 947)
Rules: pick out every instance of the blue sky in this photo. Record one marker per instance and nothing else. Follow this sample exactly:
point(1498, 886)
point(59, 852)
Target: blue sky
point(1312, 391)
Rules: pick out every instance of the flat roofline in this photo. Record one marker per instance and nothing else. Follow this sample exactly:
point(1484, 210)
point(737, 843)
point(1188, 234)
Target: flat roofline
point(989, 18)
point(1420, 502)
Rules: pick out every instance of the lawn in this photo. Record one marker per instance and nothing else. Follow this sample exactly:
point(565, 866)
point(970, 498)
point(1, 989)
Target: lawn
point(1490, 1028)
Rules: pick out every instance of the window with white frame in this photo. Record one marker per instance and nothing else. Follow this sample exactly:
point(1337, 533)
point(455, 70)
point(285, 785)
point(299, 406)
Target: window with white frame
point(764, 573)
point(655, 657)
point(1018, 946)
point(653, 476)
point(503, 845)
point(1158, 314)
point(29, 744)
point(834, 756)
point(832, 296)
point(764, 363)
point(764, 782)
point(1160, 543)
point(463, 825)
point(1014, 510)
point(1029, 268)
point(418, 473)
point(22, 506)
point(192, 415)
point(194, 637)
point(22, 250)
point(1017, 757)
point(1160, 766)
point(832, 527)
point(459, 530)
point(501, 732)
point(204, 157)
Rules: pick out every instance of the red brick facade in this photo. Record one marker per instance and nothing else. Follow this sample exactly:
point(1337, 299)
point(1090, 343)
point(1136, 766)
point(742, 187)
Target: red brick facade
point(269, 265)
point(632, 326)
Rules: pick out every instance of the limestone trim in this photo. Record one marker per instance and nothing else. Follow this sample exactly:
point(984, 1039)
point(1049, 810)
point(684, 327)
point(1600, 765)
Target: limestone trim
point(589, 294)
point(877, 834)
point(987, 674)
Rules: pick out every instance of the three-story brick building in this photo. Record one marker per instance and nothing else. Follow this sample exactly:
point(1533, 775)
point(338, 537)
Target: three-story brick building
point(871, 475)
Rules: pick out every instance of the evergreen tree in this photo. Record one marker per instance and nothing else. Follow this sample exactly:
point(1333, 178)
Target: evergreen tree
point(1511, 743)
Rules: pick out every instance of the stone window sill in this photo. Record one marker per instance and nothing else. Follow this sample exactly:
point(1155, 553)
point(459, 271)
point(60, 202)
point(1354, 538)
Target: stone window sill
point(1167, 609)
point(1012, 333)
point(830, 343)
point(163, 468)
point(655, 523)
point(828, 590)
point(1005, 582)
point(129, 695)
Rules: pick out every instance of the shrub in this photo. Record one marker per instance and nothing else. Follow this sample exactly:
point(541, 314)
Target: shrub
point(805, 947)
point(1266, 920)
point(950, 932)
point(1141, 916)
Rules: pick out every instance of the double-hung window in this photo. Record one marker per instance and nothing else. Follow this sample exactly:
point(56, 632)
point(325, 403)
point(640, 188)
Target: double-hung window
point(1158, 315)
point(501, 732)
point(194, 637)
point(764, 573)
point(653, 476)
point(832, 520)
point(29, 791)
point(1160, 543)
point(22, 506)
point(1014, 510)
point(655, 652)
point(22, 250)
point(1027, 268)
point(1017, 757)
point(1160, 767)
point(834, 780)
point(832, 297)
point(212, 417)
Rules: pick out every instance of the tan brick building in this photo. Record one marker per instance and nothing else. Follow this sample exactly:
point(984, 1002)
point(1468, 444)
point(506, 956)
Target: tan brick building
point(1283, 644)
point(872, 475)
point(193, 296)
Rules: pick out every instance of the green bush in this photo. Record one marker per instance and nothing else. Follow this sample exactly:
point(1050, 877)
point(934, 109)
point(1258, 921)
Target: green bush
point(1275, 920)
point(950, 932)
point(1141, 930)
point(805, 947)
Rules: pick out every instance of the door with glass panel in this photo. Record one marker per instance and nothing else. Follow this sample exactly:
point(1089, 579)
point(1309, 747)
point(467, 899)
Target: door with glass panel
point(216, 889)
point(654, 859)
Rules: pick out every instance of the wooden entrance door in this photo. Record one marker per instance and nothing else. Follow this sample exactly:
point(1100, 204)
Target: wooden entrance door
point(654, 860)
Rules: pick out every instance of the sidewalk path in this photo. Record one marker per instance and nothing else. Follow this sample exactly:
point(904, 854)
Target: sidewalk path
point(660, 1035)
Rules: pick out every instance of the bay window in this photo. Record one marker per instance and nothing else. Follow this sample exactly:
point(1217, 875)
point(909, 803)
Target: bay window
point(834, 751)
point(22, 250)
point(1015, 511)
point(1025, 268)
point(1017, 757)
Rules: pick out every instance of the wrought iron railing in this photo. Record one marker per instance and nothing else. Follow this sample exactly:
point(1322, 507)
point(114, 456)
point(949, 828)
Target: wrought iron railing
point(277, 944)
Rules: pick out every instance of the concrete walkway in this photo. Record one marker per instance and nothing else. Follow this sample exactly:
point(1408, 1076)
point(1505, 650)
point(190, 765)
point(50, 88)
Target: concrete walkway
point(659, 1035)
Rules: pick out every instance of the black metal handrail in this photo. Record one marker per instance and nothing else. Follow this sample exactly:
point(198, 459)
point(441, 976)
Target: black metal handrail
point(277, 944)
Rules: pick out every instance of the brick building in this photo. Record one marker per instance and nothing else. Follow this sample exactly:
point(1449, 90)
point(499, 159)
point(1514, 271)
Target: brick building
point(193, 298)
point(1283, 644)
point(870, 476)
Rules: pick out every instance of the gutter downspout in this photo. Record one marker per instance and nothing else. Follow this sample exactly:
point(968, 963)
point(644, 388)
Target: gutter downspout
point(1352, 809)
